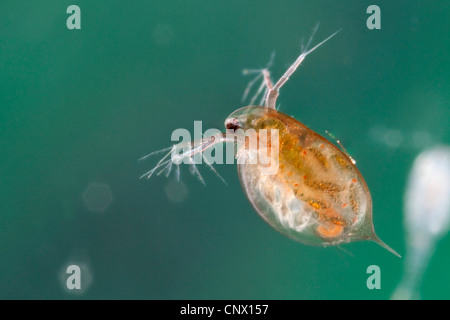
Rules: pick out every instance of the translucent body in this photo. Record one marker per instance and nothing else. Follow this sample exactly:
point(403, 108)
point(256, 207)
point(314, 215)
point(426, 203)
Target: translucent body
point(317, 197)
point(426, 215)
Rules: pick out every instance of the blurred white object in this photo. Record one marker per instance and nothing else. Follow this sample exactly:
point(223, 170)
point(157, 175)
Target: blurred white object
point(176, 191)
point(426, 215)
point(97, 197)
point(394, 138)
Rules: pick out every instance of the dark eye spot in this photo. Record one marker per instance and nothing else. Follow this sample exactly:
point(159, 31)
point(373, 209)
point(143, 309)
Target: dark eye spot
point(232, 124)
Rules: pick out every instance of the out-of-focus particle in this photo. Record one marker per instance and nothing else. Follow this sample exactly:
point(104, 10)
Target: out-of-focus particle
point(162, 35)
point(97, 197)
point(176, 191)
point(426, 215)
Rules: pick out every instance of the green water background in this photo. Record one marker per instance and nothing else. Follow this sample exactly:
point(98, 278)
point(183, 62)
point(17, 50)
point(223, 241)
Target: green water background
point(81, 106)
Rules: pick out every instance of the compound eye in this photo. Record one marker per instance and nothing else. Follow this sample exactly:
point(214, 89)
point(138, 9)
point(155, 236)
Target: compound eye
point(232, 124)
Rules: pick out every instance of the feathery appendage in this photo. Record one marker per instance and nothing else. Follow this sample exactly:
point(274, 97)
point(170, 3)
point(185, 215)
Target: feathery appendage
point(185, 153)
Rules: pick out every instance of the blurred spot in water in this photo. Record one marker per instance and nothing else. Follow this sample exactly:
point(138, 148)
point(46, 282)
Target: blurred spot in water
point(400, 139)
point(422, 139)
point(162, 35)
point(97, 197)
point(176, 191)
point(426, 215)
